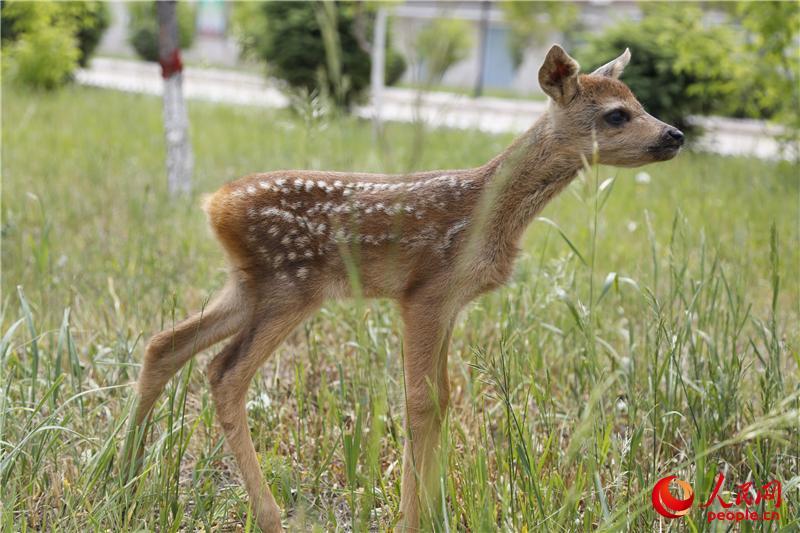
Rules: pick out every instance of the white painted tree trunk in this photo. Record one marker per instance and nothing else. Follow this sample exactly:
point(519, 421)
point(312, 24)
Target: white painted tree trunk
point(378, 73)
point(180, 160)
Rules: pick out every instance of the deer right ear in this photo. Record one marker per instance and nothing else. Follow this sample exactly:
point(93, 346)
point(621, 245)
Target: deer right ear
point(613, 69)
point(558, 75)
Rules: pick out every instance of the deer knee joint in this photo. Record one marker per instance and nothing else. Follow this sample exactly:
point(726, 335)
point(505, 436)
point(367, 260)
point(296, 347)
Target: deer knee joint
point(427, 403)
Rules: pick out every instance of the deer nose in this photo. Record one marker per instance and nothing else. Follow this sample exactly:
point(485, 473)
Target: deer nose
point(676, 135)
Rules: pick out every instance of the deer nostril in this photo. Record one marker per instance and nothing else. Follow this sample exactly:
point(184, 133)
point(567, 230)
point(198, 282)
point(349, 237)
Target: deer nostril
point(676, 135)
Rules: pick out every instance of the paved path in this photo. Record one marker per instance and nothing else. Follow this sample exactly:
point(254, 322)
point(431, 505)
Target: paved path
point(722, 135)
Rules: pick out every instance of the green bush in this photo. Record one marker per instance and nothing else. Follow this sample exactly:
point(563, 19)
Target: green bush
point(771, 85)
point(395, 66)
point(290, 38)
point(85, 20)
point(441, 44)
point(41, 39)
point(89, 20)
point(40, 45)
point(143, 28)
point(45, 58)
point(673, 77)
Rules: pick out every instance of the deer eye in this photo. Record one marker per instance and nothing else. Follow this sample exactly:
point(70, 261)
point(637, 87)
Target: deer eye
point(617, 117)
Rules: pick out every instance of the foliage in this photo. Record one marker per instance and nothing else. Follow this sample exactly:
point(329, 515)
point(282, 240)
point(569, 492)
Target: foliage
point(573, 388)
point(143, 28)
point(745, 64)
point(249, 27)
point(773, 66)
point(44, 42)
point(673, 78)
point(314, 45)
point(90, 19)
point(42, 50)
point(531, 21)
point(85, 20)
point(442, 43)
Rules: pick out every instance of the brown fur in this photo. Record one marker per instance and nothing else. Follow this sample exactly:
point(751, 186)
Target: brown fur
point(432, 241)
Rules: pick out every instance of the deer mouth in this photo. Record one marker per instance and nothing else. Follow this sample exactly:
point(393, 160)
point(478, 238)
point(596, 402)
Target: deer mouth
point(665, 151)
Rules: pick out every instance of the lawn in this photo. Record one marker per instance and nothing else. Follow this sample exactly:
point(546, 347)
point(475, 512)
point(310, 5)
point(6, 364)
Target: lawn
point(653, 332)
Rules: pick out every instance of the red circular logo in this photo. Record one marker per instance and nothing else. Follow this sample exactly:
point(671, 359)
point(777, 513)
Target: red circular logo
point(668, 505)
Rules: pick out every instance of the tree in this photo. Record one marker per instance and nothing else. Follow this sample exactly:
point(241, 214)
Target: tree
point(176, 124)
point(441, 44)
point(530, 23)
point(143, 27)
point(317, 46)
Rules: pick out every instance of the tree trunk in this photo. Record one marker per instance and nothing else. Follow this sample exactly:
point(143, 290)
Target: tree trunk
point(378, 73)
point(176, 123)
point(484, 36)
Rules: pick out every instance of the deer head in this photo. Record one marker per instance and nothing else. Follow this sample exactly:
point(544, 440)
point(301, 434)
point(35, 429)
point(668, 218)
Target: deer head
point(598, 114)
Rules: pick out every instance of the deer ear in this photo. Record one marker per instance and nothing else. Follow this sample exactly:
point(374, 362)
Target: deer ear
point(613, 69)
point(558, 75)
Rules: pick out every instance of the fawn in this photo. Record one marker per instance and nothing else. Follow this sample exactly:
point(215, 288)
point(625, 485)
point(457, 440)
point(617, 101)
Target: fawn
point(433, 241)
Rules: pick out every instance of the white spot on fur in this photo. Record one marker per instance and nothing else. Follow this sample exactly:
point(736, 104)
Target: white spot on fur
point(278, 213)
point(302, 272)
point(451, 233)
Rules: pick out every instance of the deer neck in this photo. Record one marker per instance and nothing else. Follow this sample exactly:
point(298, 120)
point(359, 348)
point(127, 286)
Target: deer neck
point(521, 181)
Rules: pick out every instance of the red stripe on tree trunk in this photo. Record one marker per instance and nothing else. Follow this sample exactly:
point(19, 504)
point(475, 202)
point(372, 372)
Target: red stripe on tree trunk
point(171, 65)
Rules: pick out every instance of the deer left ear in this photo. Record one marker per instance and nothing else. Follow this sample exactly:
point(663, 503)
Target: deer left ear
point(613, 69)
point(558, 75)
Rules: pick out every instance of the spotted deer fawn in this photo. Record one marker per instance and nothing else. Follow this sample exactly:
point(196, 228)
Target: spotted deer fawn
point(432, 241)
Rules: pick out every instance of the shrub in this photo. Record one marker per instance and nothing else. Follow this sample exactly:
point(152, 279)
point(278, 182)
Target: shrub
point(89, 20)
point(143, 28)
point(673, 77)
point(41, 39)
point(40, 48)
point(45, 58)
point(395, 66)
point(290, 38)
point(772, 82)
point(441, 44)
point(85, 20)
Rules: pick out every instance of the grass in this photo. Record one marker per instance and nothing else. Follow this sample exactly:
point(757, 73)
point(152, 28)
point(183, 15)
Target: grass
point(652, 332)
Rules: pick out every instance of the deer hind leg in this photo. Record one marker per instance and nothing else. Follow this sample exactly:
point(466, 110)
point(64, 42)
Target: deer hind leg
point(427, 390)
point(169, 350)
point(230, 374)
